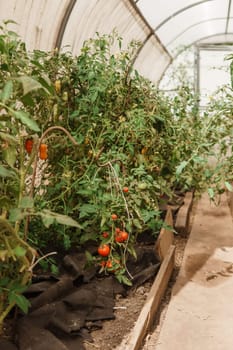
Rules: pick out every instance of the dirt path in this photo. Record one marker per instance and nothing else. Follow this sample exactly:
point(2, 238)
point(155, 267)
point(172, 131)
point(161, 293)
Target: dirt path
point(199, 314)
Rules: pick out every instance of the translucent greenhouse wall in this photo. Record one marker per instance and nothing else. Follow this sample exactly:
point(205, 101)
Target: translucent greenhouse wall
point(163, 27)
point(183, 22)
point(46, 24)
point(38, 22)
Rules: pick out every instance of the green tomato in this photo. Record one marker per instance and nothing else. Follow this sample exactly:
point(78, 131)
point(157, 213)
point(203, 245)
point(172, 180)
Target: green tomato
point(142, 186)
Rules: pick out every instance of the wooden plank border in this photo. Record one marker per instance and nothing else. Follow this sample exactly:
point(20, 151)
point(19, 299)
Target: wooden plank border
point(230, 201)
point(152, 303)
point(166, 237)
point(183, 215)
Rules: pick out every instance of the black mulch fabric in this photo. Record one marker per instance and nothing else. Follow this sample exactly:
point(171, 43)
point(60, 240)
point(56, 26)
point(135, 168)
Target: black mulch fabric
point(65, 310)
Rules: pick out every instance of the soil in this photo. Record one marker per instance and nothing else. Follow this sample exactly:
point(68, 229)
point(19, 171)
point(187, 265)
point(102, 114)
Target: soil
point(115, 332)
point(126, 312)
point(66, 309)
point(127, 307)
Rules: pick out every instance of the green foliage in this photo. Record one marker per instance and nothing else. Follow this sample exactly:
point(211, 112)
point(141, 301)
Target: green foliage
point(106, 128)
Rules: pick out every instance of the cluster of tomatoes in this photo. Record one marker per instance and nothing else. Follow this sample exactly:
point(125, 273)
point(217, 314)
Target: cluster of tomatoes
point(104, 249)
point(43, 149)
point(120, 237)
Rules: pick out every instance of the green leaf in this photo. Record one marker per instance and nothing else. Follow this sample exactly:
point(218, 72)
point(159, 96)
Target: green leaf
point(66, 241)
point(9, 21)
point(49, 217)
point(28, 100)
point(66, 220)
point(16, 215)
point(19, 300)
point(137, 224)
point(9, 138)
point(210, 192)
point(103, 221)
point(47, 220)
point(87, 209)
point(7, 91)
point(46, 83)
point(148, 214)
point(94, 96)
point(89, 256)
point(123, 279)
point(5, 172)
point(181, 167)
point(88, 236)
point(30, 84)
point(159, 117)
point(54, 269)
point(19, 251)
point(10, 154)
point(25, 119)
point(132, 251)
point(4, 281)
point(228, 186)
point(2, 45)
point(199, 160)
point(26, 202)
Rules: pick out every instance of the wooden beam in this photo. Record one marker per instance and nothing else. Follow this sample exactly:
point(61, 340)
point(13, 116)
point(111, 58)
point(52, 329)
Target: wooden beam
point(152, 303)
point(183, 215)
point(166, 237)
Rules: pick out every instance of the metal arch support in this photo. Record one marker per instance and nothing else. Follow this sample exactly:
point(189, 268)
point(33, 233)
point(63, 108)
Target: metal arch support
point(196, 42)
point(196, 24)
point(64, 22)
point(198, 45)
point(151, 31)
point(180, 11)
point(150, 34)
point(197, 71)
point(228, 16)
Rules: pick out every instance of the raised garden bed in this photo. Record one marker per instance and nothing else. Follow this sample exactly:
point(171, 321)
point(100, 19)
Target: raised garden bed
point(66, 309)
point(108, 309)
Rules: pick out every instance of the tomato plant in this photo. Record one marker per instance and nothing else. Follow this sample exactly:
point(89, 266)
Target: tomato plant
point(20, 89)
point(103, 126)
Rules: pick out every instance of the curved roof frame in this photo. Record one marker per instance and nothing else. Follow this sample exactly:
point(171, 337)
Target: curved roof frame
point(186, 8)
point(158, 28)
point(215, 45)
point(64, 22)
point(196, 24)
point(161, 26)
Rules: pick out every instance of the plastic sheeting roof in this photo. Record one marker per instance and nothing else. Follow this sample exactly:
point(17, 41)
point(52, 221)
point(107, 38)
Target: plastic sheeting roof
point(161, 26)
point(184, 22)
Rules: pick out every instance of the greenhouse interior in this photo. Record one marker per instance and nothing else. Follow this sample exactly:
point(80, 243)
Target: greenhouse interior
point(116, 174)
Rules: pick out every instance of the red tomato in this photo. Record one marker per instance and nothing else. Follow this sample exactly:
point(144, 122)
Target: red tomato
point(104, 250)
point(109, 264)
point(118, 238)
point(103, 263)
point(29, 145)
point(43, 151)
point(124, 235)
point(114, 216)
point(121, 236)
point(125, 189)
point(105, 234)
point(117, 230)
point(113, 265)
